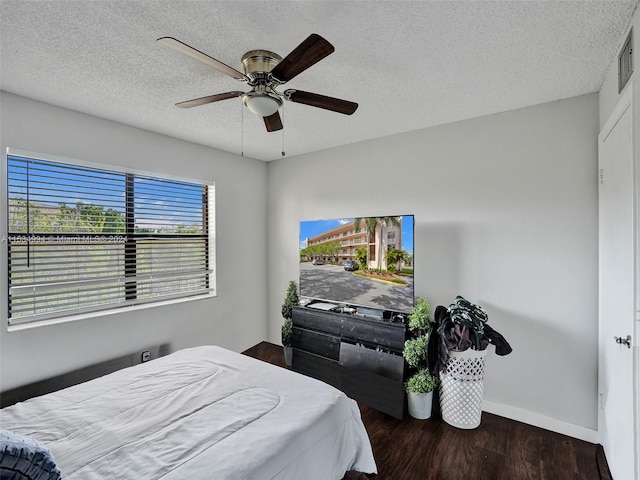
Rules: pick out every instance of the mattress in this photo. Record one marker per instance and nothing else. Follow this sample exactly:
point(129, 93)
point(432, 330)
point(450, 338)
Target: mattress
point(199, 413)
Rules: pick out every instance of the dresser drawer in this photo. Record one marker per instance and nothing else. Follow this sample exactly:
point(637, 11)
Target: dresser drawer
point(315, 342)
point(317, 367)
point(327, 322)
point(374, 333)
point(361, 359)
point(377, 391)
point(373, 377)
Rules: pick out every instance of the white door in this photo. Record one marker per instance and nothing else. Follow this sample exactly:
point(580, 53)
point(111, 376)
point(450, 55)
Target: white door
point(617, 379)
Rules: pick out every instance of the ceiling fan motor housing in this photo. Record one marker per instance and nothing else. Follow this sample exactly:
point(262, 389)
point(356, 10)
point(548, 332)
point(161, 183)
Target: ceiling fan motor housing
point(262, 100)
point(259, 61)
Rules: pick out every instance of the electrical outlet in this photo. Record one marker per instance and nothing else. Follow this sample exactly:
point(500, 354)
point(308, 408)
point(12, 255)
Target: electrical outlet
point(146, 356)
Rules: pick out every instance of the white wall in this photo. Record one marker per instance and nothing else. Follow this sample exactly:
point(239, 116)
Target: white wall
point(235, 319)
point(506, 215)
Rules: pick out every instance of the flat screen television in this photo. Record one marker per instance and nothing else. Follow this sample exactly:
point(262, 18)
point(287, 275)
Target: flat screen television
point(364, 264)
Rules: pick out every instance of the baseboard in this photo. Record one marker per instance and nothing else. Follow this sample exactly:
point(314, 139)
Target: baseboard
point(541, 421)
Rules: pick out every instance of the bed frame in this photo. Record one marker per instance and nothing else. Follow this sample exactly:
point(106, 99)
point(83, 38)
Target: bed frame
point(42, 387)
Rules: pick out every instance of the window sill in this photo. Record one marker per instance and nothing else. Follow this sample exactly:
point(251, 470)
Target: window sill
point(104, 313)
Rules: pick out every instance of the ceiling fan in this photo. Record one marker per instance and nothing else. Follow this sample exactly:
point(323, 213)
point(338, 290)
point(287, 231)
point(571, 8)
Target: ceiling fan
point(264, 71)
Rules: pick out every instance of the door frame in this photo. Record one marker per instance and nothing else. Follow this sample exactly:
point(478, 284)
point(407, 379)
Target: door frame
point(628, 100)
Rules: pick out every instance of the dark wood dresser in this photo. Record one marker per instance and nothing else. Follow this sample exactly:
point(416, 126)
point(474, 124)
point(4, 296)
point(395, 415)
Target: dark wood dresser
point(358, 355)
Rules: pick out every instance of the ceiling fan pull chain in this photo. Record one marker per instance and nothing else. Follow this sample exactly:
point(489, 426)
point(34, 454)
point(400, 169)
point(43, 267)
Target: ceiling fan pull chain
point(241, 130)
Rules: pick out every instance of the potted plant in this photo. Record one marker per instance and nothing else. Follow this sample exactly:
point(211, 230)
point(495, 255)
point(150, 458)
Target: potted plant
point(291, 299)
point(421, 383)
point(420, 387)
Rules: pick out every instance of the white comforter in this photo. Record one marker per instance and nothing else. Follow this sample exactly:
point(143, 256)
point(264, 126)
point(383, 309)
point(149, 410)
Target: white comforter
point(200, 413)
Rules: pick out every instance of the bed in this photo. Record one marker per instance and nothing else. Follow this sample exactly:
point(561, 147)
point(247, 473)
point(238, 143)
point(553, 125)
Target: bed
point(203, 413)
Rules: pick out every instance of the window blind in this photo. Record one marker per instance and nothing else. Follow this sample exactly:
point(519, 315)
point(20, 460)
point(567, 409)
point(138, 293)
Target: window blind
point(83, 239)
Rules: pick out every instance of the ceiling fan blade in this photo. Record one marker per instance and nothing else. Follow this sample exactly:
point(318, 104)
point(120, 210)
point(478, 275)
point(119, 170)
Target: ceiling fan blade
point(321, 101)
point(313, 49)
point(273, 122)
point(185, 49)
point(209, 99)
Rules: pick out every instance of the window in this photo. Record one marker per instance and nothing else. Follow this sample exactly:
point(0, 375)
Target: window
point(82, 239)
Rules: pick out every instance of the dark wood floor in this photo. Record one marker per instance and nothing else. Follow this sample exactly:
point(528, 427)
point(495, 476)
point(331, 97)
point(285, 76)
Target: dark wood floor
point(499, 449)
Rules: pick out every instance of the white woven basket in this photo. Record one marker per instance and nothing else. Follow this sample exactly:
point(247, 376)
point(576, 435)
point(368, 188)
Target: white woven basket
point(462, 388)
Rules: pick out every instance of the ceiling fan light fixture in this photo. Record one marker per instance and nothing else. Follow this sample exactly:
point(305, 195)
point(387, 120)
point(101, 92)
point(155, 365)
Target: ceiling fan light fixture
point(261, 104)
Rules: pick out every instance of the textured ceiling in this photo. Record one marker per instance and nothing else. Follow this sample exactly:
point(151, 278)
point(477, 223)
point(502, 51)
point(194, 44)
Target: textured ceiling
point(409, 64)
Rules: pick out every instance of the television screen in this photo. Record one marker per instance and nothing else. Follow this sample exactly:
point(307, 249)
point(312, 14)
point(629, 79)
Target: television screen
point(364, 263)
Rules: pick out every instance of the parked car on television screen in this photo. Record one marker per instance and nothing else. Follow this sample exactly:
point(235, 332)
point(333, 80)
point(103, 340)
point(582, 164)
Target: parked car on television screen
point(350, 265)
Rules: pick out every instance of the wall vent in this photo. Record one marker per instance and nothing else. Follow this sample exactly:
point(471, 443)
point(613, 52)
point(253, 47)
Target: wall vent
point(625, 62)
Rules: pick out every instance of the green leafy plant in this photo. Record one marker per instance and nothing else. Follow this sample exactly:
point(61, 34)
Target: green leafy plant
point(419, 317)
point(395, 258)
point(422, 382)
point(291, 299)
point(287, 333)
point(361, 257)
point(415, 351)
